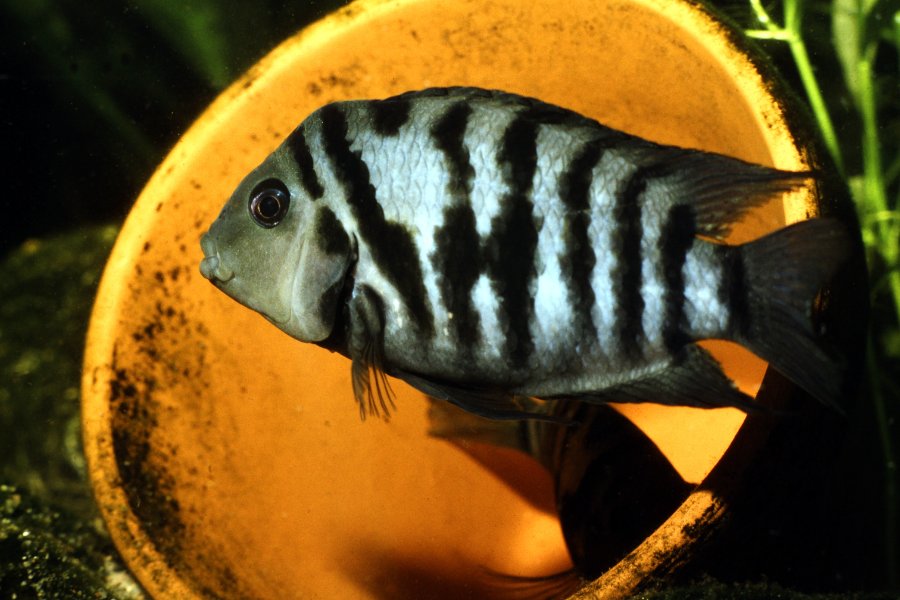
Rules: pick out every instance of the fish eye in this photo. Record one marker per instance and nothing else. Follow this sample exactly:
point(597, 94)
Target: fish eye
point(269, 202)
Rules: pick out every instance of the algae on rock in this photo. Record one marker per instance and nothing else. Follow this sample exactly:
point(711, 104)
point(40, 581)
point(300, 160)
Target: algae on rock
point(52, 540)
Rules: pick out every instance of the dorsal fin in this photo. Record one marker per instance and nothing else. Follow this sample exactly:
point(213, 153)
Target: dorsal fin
point(720, 189)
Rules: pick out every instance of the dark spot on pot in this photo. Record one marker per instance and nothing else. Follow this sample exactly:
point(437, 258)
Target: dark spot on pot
point(149, 331)
point(147, 483)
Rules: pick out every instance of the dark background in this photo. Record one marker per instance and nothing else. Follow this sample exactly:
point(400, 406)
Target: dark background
point(95, 94)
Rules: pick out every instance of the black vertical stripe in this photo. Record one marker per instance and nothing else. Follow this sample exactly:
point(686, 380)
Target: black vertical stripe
point(456, 257)
point(627, 274)
point(578, 259)
point(456, 260)
point(331, 238)
point(511, 246)
point(392, 246)
point(518, 154)
point(301, 155)
point(447, 134)
point(675, 240)
point(388, 116)
point(330, 235)
point(734, 291)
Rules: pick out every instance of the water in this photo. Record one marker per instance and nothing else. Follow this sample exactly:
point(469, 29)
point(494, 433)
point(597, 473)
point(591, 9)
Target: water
point(95, 98)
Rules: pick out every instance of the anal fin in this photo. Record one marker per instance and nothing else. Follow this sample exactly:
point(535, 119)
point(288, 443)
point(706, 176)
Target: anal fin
point(694, 378)
point(492, 404)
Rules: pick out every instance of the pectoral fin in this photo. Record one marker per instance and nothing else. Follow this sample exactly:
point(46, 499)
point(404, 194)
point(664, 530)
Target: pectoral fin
point(365, 347)
point(372, 389)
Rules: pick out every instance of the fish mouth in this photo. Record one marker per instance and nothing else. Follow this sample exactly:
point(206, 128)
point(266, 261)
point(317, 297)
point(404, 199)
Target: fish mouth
point(211, 266)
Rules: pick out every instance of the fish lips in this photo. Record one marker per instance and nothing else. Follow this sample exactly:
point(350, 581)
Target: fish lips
point(213, 269)
point(211, 266)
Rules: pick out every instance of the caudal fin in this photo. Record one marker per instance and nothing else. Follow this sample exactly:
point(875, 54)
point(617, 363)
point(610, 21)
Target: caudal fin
point(517, 587)
point(784, 272)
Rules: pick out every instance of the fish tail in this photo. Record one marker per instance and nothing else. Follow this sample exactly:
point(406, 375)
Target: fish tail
point(772, 285)
point(519, 587)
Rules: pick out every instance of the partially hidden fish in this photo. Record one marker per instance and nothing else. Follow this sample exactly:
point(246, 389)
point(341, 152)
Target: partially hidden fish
point(613, 487)
point(489, 248)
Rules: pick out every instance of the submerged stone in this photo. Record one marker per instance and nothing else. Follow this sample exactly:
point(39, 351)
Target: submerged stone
point(52, 541)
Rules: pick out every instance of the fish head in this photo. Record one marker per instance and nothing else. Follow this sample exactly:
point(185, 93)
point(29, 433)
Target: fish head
point(261, 251)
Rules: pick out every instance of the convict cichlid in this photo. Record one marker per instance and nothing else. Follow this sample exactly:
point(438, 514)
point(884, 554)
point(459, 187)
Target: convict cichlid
point(488, 248)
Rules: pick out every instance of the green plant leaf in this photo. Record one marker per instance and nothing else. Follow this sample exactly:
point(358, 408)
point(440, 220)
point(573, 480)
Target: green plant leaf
point(896, 35)
point(855, 24)
point(845, 32)
point(890, 341)
point(195, 31)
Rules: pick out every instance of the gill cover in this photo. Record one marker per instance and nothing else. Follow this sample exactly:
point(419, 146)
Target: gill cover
point(326, 254)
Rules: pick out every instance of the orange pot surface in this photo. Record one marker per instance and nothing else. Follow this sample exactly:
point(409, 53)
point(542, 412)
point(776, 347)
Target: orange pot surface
point(229, 460)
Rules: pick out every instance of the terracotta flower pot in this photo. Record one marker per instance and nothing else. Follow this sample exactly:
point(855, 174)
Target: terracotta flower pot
point(229, 460)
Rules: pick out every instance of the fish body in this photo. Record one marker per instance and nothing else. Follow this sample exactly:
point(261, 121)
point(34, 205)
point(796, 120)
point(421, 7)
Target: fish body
point(487, 247)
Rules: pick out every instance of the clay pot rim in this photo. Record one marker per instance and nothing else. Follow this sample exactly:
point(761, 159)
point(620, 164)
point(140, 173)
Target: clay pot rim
point(704, 504)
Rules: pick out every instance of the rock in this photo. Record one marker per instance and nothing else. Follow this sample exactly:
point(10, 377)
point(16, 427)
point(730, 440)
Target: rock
point(52, 541)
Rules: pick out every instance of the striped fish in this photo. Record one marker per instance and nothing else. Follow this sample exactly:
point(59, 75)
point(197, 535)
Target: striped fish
point(489, 248)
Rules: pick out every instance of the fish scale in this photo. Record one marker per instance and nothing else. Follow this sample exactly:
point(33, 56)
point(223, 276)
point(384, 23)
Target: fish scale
point(412, 201)
point(553, 324)
point(601, 232)
point(486, 247)
point(653, 221)
point(426, 178)
point(425, 163)
point(488, 185)
point(703, 307)
point(552, 317)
